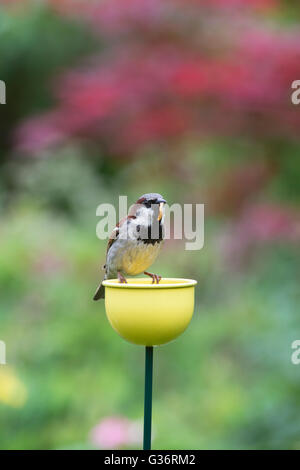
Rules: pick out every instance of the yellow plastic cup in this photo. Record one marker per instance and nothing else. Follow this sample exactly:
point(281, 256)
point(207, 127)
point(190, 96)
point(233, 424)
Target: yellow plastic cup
point(149, 314)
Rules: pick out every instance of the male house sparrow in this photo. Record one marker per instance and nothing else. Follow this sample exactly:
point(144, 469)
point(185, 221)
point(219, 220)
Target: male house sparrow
point(136, 241)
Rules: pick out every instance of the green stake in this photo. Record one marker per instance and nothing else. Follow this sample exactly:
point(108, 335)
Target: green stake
point(148, 397)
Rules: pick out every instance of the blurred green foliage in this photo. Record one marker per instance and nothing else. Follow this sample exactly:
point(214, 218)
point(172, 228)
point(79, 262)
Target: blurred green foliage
point(35, 45)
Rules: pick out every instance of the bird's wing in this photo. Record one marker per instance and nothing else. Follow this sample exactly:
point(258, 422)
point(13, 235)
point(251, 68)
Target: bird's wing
point(133, 210)
point(115, 233)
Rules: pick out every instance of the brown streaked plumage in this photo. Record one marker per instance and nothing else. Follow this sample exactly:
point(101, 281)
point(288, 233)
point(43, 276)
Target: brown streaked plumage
point(132, 247)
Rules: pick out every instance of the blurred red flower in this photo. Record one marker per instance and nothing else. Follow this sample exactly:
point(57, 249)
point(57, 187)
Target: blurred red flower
point(171, 69)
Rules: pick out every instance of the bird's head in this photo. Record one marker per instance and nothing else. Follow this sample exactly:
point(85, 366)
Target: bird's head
point(152, 204)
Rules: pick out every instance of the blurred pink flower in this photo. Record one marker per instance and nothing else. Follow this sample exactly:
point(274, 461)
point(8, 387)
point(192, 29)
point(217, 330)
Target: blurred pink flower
point(117, 14)
point(233, 188)
point(259, 4)
point(48, 264)
point(39, 133)
point(269, 222)
point(259, 224)
point(115, 432)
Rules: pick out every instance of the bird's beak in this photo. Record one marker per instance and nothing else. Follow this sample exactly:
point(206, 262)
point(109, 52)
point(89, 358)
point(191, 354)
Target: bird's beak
point(160, 212)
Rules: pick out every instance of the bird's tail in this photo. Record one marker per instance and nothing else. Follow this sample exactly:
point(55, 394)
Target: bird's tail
point(100, 292)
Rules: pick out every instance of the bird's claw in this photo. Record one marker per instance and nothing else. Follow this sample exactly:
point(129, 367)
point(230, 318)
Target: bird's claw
point(155, 277)
point(122, 279)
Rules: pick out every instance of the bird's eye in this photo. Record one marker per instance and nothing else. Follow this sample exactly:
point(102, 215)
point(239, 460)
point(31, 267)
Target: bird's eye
point(150, 203)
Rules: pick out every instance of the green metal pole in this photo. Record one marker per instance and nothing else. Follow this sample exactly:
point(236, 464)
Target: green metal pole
point(148, 397)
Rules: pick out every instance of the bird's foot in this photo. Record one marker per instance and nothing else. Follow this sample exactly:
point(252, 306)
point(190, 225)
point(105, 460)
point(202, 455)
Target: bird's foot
point(121, 278)
point(155, 277)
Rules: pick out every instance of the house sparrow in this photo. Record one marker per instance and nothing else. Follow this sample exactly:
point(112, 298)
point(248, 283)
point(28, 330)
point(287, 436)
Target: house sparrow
point(136, 241)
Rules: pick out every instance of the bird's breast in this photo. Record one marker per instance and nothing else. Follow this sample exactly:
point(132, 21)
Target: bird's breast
point(133, 257)
point(139, 257)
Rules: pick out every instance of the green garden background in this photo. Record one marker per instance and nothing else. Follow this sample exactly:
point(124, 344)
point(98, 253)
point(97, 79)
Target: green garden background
point(191, 99)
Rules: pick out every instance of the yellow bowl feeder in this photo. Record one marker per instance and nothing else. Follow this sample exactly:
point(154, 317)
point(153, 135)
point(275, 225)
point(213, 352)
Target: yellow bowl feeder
point(149, 314)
